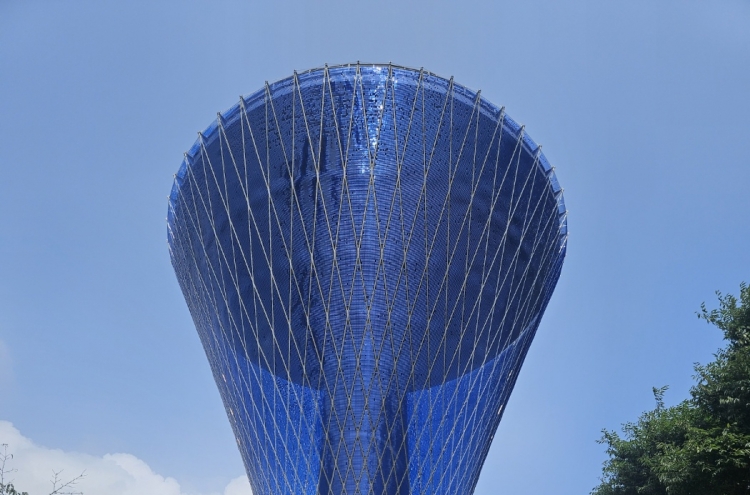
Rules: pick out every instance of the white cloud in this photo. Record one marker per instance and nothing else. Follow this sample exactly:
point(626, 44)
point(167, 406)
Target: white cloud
point(238, 486)
point(112, 474)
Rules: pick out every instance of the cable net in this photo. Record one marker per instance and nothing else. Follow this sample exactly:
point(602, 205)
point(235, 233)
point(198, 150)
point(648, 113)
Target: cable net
point(366, 252)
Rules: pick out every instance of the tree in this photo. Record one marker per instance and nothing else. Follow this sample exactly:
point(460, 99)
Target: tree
point(6, 487)
point(702, 445)
point(59, 486)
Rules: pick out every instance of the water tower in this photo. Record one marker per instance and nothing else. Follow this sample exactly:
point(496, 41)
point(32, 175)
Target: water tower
point(366, 252)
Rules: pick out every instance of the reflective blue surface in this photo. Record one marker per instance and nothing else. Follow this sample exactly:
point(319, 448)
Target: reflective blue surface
point(366, 252)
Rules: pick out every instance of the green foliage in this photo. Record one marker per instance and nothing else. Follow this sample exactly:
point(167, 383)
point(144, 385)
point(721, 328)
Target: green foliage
point(702, 445)
point(9, 489)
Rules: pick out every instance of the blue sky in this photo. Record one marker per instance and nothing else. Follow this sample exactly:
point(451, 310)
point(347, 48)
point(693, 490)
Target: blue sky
point(643, 106)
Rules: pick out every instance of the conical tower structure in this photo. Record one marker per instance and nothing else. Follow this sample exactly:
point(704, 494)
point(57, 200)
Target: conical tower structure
point(366, 252)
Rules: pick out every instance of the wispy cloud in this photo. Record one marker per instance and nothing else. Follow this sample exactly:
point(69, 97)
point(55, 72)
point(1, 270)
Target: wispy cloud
point(111, 474)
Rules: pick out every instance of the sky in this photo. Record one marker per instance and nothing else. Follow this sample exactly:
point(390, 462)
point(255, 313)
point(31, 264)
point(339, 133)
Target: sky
point(641, 105)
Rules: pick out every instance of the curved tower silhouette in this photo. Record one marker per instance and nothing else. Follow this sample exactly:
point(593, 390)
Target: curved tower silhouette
point(366, 252)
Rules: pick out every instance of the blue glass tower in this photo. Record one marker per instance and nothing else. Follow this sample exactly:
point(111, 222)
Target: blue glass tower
point(366, 252)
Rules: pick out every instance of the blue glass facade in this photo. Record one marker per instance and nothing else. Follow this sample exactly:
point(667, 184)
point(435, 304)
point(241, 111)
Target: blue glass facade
point(366, 252)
